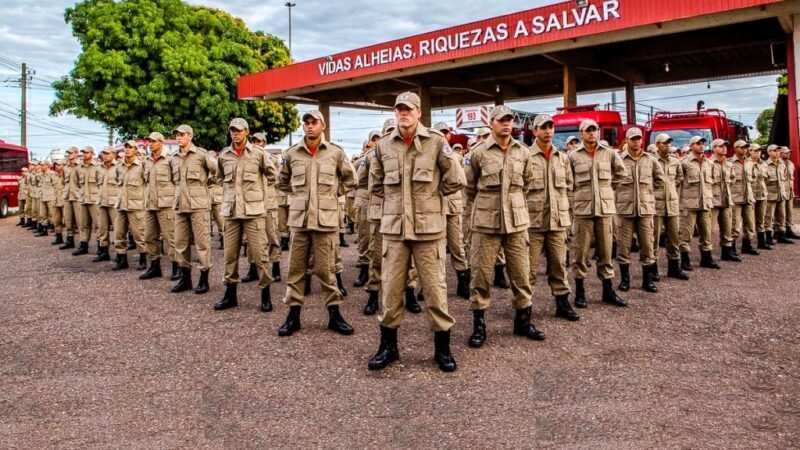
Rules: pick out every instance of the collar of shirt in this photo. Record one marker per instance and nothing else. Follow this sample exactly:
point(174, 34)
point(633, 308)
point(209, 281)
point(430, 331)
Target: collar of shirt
point(491, 142)
point(547, 154)
point(313, 150)
point(421, 132)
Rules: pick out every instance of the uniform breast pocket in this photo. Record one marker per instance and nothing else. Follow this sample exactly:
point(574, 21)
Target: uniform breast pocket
point(298, 173)
point(251, 172)
point(604, 170)
point(487, 211)
point(423, 172)
point(328, 212)
point(692, 176)
point(518, 167)
point(391, 170)
point(327, 174)
point(490, 173)
point(560, 177)
point(583, 173)
point(297, 212)
point(163, 174)
point(228, 172)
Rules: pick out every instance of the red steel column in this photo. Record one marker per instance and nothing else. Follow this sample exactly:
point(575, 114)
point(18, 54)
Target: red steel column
point(792, 47)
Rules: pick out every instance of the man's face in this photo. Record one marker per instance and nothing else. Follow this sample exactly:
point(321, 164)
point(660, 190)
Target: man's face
point(502, 127)
point(72, 156)
point(87, 157)
point(785, 155)
point(739, 152)
point(663, 148)
point(184, 139)
point(774, 154)
point(479, 139)
point(155, 146)
point(313, 128)
point(108, 157)
point(755, 154)
point(372, 143)
point(406, 117)
point(589, 135)
point(545, 132)
point(57, 167)
point(720, 150)
point(634, 144)
point(239, 137)
point(571, 145)
point(259, 142)
point(130, 151)
point(698, 148)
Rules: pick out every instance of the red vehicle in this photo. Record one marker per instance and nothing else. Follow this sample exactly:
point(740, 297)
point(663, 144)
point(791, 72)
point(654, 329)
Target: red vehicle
point(709, 123)
point(12, 159)
point(567, 119)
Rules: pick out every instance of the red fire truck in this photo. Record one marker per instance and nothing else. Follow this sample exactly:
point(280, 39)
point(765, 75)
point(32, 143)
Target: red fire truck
point(709, 123)
point(567, 119)
point(12, 159)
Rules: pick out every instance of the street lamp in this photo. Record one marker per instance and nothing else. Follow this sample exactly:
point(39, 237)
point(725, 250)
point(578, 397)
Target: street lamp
point(290, 5)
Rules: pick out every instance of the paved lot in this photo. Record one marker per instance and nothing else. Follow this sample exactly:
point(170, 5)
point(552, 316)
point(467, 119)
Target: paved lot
point(95, 359)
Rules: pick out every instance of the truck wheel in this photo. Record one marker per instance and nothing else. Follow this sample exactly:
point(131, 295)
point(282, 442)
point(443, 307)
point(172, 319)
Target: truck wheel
point(3, 208)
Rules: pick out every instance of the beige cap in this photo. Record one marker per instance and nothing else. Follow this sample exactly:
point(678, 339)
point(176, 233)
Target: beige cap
point(741, 143)
point(260, 136)
point(571, 138)
point(586, 124)
point(457, 146)
point(72, 150)
point(697, 139)
point(718, 142)
point(408, 99)
point(652, 148)
point(471, 142)
point(109, 149)
point(442, 126)
point(542, 119)
point(785, 149)
point(754, 147)
point(633, 132)
point(88, 149)
point(238, 124)
point(24, 169)
point(155, 136)
point(483, 131)
point(663, 138)
point(183, 129)
point(374, 134)
point(500, 111)
point(772, 147)
point(131, 144)
point(389, 124)
point(315, 114)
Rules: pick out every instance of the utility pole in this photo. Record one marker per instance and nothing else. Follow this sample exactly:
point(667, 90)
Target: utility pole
point(110, 136)
point(24, 110)
point(290, 5)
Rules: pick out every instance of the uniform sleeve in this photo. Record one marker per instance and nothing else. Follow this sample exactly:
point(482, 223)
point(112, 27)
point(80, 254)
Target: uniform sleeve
point(376, 173)
point(285, 175)
point(362, 173)
point(527, 172)
point(472, 173)
point(347, 174)
point(452, 180)
point(569, 178)
point(211, 164)
point(618, 167)
point(679, 176)
point(659, 179)
point(268, 169)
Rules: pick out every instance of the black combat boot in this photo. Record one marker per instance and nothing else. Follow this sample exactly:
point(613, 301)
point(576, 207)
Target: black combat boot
point(340, 285)
point(176, 272)
point(478, 329)
point(654, 275)
point(292, 323)
point(634, 245)
point(462, 289)
point(387, 350)
point(372, 304)
point(142, 261)
point(351, 227)
point(83, 249)
point(41, 230)
point(647, 279)
point(276, 272)
point(363, 275)
point(790, 234)
point(729, 254)
point(252, 274)
point(30, 224)
point(184, 282)
point(780, 237)
point(284, 244)
point(342, 242)
point(229, 300)
point(337, 323)
point(154, 271)
point(734, 251)
point(762, 241)
point(674, 270)
point(500, 277)
point(102, 254)
point(769, 235)
point(266, 300)
point(686, 262)
point(202, 284)
point(412, 305)
point(625, 278)
point(707, 261)
point(307, 289)
point(70, 243)
point(131, 242)
point(121, 263)
point(564, 309)
point(59, 239)
point(747, 248)
point(580, 293)
point(21, 222)
point(611, 297)
point(524, 327)
point(441, 353)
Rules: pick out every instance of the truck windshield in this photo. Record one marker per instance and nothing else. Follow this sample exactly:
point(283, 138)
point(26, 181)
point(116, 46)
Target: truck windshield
point(561, 135)
point(681, 136)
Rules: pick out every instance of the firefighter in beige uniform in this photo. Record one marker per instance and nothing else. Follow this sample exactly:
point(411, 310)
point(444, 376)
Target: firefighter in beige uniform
point(594, 168)
point(48, 185)
point(191, 168)
point(775, 179)
point(788, 232)
point(106, 202)
point(548, 209)
point(412, 170)
point(159, 217)
point(22, 186)
point(667, 217)
point(245, 170)
point(71, 204)
point(760, 195)
point(722, 212)
point(35, 175)
point(498, 175)
point(88, 180)
point(361, 203)
point(697, 199)
point(283, 212)
point(313, 171)
point(130, 208)
point(58, 209)
point(743, 178)
point(636, 206)
point(215, 190)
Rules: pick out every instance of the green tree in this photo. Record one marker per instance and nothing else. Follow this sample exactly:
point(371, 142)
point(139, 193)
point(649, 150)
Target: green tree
point(150, 65)
point(764, 125)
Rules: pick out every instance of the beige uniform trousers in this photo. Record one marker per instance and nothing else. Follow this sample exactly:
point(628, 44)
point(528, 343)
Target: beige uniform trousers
point(321, 246)
point(216, 217)
point(376, 261)
point(88, 221)
point(46, 212)
point(58, 218)
point(703, 221)
point(364, 232)
point(22, 207)
point(723, 217)
point(125, 221)
point(71, 217)
point(273, 246)
point(601, 230)
point(455, 242)
point(671, 226)
point(775, 215)
point(744, 222)
point(283, 221)
point(193, 225)
point(643, 227)
point(255, 230)
point(429, 258)
point(760, 212)
point(554, 246)
point(159, 225)
point(105, 222)
point(485, 248)
point(788, 220)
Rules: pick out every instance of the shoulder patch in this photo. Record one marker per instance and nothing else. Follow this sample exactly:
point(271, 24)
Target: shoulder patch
point(363, 162)
point(283, 161)
point(446, 149)
point(468, 160)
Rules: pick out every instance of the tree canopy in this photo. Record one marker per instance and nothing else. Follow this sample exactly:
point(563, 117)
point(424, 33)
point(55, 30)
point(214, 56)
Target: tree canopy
point(151, 65)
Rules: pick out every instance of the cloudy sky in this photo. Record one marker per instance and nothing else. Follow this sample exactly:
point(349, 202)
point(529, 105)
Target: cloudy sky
point(320, 28)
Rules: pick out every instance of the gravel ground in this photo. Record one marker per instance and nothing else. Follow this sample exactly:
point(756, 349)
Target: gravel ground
point(91, 358)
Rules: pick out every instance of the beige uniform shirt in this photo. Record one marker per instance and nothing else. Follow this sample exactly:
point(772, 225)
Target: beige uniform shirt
point(130, 179)
point(89, 182)
point(635, 193)
point(109, 190)
point(593, 177)
point(696, 194)
point(413, 179)
point(34, 189)
point(362, 179)
point(190, 174)
point(244, 181)
point(498, 180)
point(71, 184)
point(743, 177)
point(722, 178)
point(776, 177)
point(315, 182)
point(22, 184)
point(48, 182)
point(759, 179)
point(548, 191)
point(789, 182)
point(667, 199)
point(159, 188)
